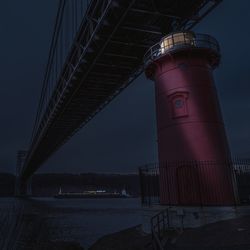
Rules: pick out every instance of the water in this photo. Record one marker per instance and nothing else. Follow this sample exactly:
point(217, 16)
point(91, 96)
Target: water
point(35, 221)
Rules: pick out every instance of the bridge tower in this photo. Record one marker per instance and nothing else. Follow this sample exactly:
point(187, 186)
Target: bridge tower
point(189, 122)
point(22, 188)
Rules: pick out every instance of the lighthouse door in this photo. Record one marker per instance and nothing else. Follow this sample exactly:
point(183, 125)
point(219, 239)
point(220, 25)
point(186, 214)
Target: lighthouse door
point(188, 185)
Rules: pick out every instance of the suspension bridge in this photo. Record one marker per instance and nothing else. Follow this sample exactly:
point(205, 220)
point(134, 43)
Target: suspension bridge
point(96, 51)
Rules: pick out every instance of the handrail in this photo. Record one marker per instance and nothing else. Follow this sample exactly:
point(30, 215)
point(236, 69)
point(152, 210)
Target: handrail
point(156, 241)
point(178, 41)
point(159, 225)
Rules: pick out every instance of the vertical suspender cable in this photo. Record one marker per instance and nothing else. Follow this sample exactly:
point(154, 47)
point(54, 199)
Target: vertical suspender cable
point(57, 27)
point(76, 16)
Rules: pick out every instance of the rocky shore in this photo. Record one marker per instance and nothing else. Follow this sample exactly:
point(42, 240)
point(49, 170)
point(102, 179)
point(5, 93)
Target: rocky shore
point(233, 234)
point(132, 238)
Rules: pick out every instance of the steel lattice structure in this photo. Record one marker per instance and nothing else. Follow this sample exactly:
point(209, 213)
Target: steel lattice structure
point(97, 50)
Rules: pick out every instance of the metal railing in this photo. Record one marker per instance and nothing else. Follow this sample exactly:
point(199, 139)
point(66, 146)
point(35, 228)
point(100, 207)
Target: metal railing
point(159, 225)
point(187, 183)
point(179, 41)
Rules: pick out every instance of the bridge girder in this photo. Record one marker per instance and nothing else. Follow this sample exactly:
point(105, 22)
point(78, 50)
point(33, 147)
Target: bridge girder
point(105, 57)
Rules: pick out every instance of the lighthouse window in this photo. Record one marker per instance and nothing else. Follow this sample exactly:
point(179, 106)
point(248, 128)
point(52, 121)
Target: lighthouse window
point(179, 104)
point(179, 39)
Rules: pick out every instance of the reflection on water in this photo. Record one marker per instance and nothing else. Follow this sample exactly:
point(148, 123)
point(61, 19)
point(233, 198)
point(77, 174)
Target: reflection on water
point(33, 223)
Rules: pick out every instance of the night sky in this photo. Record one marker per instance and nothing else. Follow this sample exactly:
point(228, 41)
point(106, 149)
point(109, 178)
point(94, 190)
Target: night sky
point(122, 136)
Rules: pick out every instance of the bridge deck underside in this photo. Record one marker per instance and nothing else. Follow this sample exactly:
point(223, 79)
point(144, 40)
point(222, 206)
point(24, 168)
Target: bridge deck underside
point(106, 56)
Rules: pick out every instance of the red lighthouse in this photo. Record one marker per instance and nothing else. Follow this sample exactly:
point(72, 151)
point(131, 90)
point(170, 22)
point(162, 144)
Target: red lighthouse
point(189, 121)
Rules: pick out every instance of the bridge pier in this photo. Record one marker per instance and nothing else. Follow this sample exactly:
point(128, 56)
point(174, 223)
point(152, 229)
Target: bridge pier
point(23, 188)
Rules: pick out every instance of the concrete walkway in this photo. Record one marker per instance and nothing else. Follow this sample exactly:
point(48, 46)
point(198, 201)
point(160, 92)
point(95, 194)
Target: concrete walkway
point(231, 234)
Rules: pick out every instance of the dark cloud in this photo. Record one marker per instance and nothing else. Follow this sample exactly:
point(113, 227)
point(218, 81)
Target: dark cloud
point(26, 28)
point(123, 135)
point(118, 139)
point(229, 24)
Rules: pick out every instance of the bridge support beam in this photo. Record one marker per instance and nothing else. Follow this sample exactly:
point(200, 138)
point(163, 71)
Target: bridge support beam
point(189, 121)
point(23, 188)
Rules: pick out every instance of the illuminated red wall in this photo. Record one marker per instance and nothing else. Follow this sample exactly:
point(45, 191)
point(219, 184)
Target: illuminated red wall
point(190, 127)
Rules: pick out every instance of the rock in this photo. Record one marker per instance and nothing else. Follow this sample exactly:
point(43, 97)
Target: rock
point(64, 245)
point(129, 239)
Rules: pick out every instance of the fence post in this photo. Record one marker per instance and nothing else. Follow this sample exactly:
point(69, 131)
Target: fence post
point(141, 186)
point(234, 182)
